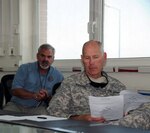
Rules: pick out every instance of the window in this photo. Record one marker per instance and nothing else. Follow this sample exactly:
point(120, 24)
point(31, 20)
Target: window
point(67, 26)
point(127, 28)
point(122, 26)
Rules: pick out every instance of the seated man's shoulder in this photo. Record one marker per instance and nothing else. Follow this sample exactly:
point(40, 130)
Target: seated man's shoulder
point(73, 77)
point(29, 64)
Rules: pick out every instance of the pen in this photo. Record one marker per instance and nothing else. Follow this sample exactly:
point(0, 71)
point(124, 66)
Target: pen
point(41, 117)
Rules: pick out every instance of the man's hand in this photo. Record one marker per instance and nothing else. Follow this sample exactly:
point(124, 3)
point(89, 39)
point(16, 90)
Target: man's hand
point(88, 117)
point(41, 95)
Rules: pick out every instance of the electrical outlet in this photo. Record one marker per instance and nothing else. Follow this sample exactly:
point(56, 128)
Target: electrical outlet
point(11, 51)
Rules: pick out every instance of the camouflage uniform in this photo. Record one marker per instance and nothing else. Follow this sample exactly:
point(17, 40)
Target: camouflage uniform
point(139, 118)
point(72, 97)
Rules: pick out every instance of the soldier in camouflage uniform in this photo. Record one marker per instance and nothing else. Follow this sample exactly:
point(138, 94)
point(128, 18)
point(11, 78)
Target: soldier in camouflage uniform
point(71, 99)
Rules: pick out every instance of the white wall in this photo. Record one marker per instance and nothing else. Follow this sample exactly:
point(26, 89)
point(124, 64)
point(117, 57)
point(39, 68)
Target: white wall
point(9, 36)
point(133, 80)
point(136, 81)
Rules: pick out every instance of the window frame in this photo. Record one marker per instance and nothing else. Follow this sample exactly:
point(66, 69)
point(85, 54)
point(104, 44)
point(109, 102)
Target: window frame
point(95, 30)
point(98, 35)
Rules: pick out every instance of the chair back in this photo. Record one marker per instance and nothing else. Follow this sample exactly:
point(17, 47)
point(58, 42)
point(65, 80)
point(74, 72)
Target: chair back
point(1, 96)
point(6, 82)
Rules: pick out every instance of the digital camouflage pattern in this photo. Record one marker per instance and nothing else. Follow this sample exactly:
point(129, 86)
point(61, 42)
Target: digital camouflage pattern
point(72, 99)
point(139, 118)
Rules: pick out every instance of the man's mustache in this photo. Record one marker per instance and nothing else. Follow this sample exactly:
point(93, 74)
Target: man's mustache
point(45, 62)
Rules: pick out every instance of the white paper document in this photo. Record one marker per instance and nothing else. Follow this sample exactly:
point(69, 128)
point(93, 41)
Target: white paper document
point(42, 118)
point(9, 117)
point(111, 108)
point(114, 107)
point(33, 118)
point(133, 100)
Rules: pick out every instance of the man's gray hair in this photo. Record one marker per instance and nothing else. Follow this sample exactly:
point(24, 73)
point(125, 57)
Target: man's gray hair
point(93, 41)
point(46, 46)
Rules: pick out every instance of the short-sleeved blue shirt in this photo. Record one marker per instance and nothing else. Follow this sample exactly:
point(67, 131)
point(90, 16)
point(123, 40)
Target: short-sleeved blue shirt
point(28, 77)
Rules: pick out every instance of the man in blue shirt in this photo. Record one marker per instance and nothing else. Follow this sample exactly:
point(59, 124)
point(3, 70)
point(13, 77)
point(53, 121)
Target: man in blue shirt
point(34, 83)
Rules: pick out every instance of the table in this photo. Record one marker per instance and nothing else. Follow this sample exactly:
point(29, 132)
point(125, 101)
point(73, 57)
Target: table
point(63, 126)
